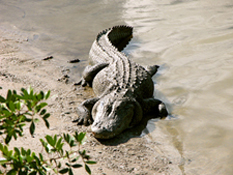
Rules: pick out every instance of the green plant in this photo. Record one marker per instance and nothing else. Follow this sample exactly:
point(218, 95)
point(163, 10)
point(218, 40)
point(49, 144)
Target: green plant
point(18, 109)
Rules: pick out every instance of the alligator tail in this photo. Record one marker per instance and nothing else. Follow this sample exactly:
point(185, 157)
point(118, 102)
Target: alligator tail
point(119, 36)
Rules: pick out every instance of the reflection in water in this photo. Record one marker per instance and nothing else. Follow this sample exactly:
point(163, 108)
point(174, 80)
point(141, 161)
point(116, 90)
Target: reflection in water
point(192, 40)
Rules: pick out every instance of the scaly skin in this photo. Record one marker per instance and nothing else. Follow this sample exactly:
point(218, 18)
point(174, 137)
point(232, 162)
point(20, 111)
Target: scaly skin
point(124, 89)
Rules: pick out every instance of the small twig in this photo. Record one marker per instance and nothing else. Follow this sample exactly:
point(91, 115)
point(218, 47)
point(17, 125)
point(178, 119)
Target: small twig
point(48, 58)
point(74, 61)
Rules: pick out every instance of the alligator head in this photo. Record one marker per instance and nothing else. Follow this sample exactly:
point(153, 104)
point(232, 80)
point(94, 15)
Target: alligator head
point(113, 115)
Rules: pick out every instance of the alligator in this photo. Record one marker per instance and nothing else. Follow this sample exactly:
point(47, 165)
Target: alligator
point(123, 88)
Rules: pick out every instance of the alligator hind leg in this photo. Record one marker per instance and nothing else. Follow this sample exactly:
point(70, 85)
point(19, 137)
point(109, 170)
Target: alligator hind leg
point(89, 73)
point(155, 107)
point(84, 112)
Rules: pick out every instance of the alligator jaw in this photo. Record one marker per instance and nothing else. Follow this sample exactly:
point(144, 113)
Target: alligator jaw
point(111, 130)
point(102, 133)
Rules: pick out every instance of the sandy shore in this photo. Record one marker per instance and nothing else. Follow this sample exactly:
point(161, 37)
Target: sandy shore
point(126, 154)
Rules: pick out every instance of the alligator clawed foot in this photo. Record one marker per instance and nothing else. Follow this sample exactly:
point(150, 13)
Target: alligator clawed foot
point(84, 117)
point(83, 121)
point(79, 121)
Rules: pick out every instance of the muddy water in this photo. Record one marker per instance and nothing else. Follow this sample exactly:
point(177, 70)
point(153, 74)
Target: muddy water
point(191, 40)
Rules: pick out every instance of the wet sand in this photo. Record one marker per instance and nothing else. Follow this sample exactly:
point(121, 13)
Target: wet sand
point(128, 153)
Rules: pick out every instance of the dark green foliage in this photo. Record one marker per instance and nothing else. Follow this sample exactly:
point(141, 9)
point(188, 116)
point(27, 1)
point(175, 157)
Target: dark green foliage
point(17, 110)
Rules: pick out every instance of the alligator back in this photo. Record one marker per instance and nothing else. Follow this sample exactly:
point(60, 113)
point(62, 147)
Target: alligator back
point(121, 74)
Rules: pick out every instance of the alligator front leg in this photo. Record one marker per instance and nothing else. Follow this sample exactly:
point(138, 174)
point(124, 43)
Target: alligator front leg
point(84, 112)
point(155, 106)
point(89, 73)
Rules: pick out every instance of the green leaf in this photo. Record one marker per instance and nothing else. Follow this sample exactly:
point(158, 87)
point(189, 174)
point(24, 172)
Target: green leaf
point(45, 145)
point(76, 165)
point(32, 173)
point(32, 128)
point(72, 144)
point(75, 159)
point(50, 140)
point(25, 93)
point(17, 152)
point(30, 92)
point(80, 137)
point(47, 95)
point(29, 158)
point(84, 152)
point(41, 157)
point(67, 164)
point(8, 138)
point(91, 162)
point(88, 170)
point(43, 112)
point(18, 105)
point(29, 105)
point(37, 109)
point(55, 139)
point(14, 134)
point(63, 171)
point(5, 112)
point(37, 160)
point(43, 142)
point(59, 148)
point(28, 119)
point(11, 106)
point(3, 161)
point(55, 170)
point(59, 165)
point(46, 122)
point(11, 172)
point(67, 154)
point(59, 145)
point(43, 104)
point(46, 116)
point(86, 157)
point(70, 172)
point(67, 138)
point(2, 99)
point(23, 151)
point(9, 94)
point(41, 172)
point(42, 94)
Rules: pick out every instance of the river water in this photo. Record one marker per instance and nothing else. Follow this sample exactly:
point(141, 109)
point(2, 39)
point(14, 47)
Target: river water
point(192, 41)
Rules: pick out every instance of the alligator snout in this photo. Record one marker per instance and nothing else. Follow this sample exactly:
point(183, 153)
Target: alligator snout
point(101, 132)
